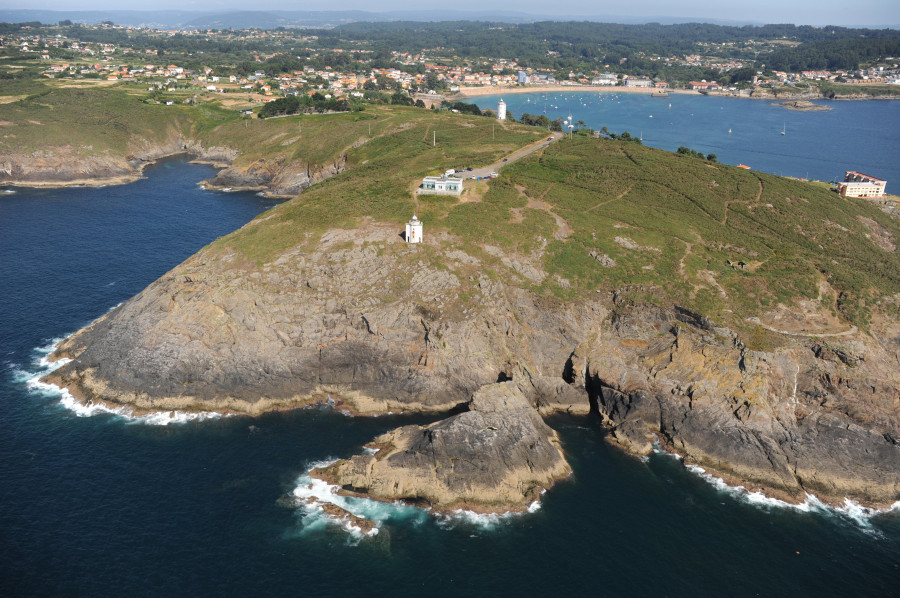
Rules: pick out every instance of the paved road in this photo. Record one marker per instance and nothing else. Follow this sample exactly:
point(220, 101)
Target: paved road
point(513, 157)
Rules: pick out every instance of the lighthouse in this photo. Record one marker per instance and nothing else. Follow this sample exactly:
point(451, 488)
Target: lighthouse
point(501, 110)
point(414, 230)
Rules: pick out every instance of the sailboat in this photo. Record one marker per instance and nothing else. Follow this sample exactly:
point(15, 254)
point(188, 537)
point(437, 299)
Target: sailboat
point(729, 131)
point(784, 129)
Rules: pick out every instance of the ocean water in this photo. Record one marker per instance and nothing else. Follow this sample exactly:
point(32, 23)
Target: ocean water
point(104, 505)
point(821, 145)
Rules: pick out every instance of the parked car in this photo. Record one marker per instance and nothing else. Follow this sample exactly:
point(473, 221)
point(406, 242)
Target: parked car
point(493, 174)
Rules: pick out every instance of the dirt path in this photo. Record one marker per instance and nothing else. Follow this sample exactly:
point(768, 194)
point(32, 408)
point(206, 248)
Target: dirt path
point(619, 196)
point(757, 200)
point(563, 230)
point(755, 320)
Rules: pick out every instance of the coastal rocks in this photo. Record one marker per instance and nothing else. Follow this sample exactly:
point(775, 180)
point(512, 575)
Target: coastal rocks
point(66, 165)
point(276, 177)
point(803, 106)
point(780, 421)
point(495, 457)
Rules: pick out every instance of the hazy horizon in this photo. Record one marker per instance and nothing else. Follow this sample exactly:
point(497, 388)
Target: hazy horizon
point(867, 13)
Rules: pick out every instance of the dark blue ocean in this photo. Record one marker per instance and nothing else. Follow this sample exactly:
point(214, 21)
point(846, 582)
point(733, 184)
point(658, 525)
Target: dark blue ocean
point(107, 506)
point(822, 145)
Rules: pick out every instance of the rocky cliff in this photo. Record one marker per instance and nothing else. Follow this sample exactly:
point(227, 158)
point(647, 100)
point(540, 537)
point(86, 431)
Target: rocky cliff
point(67, 165)
point(378, 325)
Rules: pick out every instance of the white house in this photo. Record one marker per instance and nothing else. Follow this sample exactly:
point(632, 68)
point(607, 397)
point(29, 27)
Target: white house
point(414, 230)
point(444, 185)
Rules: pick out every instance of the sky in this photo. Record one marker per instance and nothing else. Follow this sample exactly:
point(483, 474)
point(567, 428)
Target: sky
point(871, 13)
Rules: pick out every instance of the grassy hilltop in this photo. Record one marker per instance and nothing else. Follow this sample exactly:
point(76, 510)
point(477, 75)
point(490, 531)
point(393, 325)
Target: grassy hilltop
point(596, 215)
point(583, 216)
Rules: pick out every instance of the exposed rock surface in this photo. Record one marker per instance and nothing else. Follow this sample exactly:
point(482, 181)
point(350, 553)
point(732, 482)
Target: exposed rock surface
point(497, 456)
point(276, 176)
point(376, 325)
point(68, 165)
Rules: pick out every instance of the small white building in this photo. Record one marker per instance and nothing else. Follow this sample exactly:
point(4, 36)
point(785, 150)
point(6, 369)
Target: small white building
point(501, 110)
point(442, 185)
point(414, 230)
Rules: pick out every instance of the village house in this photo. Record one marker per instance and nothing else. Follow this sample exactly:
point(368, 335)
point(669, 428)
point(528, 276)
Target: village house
point(703, 85)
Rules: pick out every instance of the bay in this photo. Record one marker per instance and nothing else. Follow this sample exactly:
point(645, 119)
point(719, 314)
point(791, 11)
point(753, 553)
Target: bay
point(819, 145)
point(104, 506)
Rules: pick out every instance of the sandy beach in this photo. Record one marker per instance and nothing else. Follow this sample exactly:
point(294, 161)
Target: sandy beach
point(472, 92)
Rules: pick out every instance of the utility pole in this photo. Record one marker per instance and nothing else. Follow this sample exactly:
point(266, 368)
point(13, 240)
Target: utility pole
point(492, 131)
point(370, 129)
point(433, 138)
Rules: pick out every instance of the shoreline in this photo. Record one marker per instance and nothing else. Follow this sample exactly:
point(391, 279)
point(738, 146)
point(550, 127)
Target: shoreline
point(735, 484)
point(475, 92)
point(122, 179)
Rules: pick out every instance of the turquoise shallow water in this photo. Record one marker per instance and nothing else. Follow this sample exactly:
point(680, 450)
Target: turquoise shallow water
point(863, 136)
point(102, 506)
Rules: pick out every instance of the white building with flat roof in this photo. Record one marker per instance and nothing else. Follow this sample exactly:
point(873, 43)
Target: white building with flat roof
point(441, 185)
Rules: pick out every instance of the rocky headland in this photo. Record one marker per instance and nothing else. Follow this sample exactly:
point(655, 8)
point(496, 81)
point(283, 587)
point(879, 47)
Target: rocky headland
point(66, 166)
point(371, 323)
point(673, 298)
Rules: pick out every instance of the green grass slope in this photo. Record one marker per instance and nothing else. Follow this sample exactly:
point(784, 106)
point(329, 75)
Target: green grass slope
point(727, 242)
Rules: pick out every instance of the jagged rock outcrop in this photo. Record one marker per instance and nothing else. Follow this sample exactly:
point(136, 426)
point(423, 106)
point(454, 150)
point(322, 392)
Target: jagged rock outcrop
point(497, 456)
point(379, 326)
point(276, 176)
point(69, 165)
point(798, 420)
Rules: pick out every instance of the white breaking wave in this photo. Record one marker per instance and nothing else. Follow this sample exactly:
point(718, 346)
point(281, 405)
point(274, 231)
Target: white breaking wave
point(850, 511)
point(310, 493)
point(483, 521)
point(44, 366)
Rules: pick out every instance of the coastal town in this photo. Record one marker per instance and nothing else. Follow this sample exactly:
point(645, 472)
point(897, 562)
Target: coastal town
point(354, 72)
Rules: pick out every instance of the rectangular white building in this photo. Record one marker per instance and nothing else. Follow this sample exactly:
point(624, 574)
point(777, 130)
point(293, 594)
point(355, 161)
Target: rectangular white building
point(445, 185)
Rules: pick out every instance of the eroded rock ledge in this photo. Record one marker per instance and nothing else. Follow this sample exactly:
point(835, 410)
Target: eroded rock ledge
point(495, 457)
point(66, 165)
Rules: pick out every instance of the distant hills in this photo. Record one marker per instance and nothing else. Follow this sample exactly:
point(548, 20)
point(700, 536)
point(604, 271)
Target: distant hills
point(184, 19)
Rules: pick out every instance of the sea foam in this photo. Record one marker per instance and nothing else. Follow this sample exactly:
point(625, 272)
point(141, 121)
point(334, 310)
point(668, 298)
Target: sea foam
point(310, 494)
point(43, 366)
point(850, 511)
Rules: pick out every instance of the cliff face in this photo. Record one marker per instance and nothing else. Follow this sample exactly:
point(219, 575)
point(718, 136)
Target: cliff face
point(67, 165)
point(276, 176)
point(382, 326)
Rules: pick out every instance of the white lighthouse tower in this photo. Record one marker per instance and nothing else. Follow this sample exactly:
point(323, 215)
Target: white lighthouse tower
point(414, 230)
point(501, 110)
